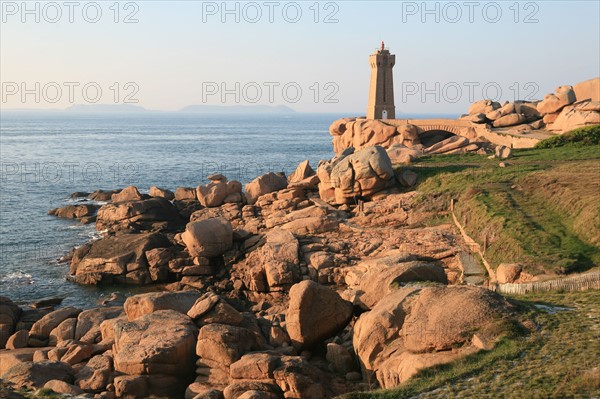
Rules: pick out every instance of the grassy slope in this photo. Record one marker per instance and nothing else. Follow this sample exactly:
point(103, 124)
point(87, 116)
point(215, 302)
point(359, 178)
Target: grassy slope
point(541, 210)
point(559, 360)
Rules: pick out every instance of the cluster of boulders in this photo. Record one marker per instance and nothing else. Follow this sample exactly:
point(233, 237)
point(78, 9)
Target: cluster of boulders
point(187, 236)
point(402, 142)
point(572, 107)
point(301, 287)
point(569, 107)
point(199, 344)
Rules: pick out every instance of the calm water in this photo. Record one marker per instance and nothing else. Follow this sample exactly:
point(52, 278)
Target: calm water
point(46, 157)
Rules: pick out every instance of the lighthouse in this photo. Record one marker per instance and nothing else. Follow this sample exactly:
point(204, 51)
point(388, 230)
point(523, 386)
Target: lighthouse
point(381, 92)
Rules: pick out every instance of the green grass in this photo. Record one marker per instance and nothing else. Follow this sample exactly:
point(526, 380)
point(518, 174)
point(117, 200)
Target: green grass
point(559, 359)
point(589, 135)
point(541, 210)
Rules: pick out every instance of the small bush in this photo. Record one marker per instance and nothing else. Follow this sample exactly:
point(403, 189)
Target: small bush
point(589, 135)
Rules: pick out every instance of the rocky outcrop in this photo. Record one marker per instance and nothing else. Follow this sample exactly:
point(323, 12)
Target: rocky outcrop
point(580, 114)
point(352, 176)
point(83, 211)
point(363, 133)
point(570, 107)
point(130, 193)
point(414, 328)
point(147, 214)
point(162, 192)
point(119, 259)
point(315, 313)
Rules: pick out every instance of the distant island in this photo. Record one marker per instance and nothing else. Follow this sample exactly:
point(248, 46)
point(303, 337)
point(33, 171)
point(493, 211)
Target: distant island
point(190, 109)
point(238, 109)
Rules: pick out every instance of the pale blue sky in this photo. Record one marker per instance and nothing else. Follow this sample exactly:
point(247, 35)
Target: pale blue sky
point(171, 53)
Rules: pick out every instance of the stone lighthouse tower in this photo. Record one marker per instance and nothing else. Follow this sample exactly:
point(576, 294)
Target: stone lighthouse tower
point(381, 92)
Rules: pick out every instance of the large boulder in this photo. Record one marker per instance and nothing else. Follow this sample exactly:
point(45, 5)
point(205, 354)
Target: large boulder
point(508, 272)
point(34, 375)
point(302, 172)
point(360, 174)
point(218, 192)
point(529, 109)
point(222, 344)
point(447, 145)
point(588, 90)
point(101, 195)
point(577, 115)
point(119, 259)
point(315, 313)
point(563, 96)
point(159, 344)
point(279, 256)
point(130, 193)
point(362, 133)
point(401, 154)
point(156, 213)
point(96, 374)
point(413, 328)
point(506, 109)
point(42, 328)
point(162, 192)
point(142, 304)
point(209, 237)
point(264, 184)
point(89, 321)
point(75, 211)
point(185, 194)
point(510, 120)
point(375, 278)
point(483, 107)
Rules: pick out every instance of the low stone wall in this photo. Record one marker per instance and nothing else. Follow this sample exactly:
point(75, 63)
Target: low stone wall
point(580, 282)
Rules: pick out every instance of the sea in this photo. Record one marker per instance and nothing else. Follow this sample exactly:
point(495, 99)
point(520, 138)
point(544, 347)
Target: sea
point(47, 156)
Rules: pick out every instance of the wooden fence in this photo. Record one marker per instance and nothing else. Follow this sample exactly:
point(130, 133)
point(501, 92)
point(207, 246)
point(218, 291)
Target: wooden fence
point(580, 282)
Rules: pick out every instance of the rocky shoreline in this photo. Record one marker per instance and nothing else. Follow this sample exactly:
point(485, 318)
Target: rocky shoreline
point(268, 293)
point(303, 286)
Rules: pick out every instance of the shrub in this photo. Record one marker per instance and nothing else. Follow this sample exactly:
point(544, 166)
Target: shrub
point(588, 135)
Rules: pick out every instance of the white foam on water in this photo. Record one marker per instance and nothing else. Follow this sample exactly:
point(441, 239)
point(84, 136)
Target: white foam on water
point(17, 278)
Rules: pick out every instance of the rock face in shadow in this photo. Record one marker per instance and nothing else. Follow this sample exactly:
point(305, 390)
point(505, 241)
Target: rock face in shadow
point(315, 313)
point(119, 259)
point(155, 213)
